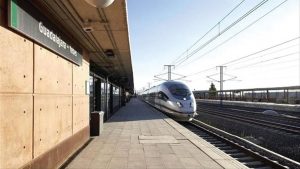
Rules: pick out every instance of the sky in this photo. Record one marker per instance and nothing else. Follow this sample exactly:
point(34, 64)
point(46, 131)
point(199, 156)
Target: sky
point(264, 42)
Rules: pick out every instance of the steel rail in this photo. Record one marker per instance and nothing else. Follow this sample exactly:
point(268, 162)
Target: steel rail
point(272, 125)
point(242, 144)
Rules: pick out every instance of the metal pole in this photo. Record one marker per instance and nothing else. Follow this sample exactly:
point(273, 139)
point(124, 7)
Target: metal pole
point(268, 96)
point(221, 84)
point(169, 71)
point(287, 96)
point(106, 98)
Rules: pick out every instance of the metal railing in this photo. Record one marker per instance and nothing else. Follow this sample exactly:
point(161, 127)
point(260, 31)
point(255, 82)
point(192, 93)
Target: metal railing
point(282, 95)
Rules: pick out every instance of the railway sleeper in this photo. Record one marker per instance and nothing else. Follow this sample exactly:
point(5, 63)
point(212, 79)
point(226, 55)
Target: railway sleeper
point(245, 159)
point(216, 142)
point(226, 147)
point(220, 145)
point(232, 151)
point(211, 139)
point(203, 134)
point(264, 167)
point(254, 164)
point(239, 155)
point(205, 137)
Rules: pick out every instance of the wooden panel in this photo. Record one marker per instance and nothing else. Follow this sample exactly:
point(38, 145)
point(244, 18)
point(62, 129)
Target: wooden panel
point(16, 63)
point(80, 112)
point(52, 121)
point(15, 130)
point(53, 74)
point(57, 155)
point(80, 75)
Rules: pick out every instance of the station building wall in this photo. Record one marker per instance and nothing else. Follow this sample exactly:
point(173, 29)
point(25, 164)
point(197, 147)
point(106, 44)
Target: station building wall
point(44, 109)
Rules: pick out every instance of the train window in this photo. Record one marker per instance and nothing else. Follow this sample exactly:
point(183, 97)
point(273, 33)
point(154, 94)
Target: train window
point(163, 96)
point(180, 91)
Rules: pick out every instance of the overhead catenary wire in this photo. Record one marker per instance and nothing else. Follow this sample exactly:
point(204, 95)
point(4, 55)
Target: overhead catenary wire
point(276, 58)
point(247, 56)
point(227, 63)
point(281, 62)
point(221, 32)
point(218, 24)
point(231, 37)
point(259, 56)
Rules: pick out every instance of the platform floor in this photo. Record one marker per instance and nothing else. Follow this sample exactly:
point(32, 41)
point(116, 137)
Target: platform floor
point(140, 137)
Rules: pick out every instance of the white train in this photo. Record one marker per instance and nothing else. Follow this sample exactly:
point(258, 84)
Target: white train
point(173, 98)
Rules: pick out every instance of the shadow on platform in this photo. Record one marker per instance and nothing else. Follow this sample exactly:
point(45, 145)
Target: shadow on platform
point(136, 110)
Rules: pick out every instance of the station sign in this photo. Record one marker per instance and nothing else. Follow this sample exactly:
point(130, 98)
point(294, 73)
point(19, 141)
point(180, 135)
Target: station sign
point(26, 19)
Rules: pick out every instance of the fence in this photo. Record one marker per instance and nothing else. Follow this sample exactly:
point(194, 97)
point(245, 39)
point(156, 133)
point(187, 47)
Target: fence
point(283, 95)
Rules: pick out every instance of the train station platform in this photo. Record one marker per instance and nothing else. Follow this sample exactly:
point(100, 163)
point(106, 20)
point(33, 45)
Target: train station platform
point(140, 137)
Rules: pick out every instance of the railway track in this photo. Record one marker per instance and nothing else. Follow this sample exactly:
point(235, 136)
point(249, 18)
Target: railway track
point(252, 119)
point(251, 112)
point(238, 148)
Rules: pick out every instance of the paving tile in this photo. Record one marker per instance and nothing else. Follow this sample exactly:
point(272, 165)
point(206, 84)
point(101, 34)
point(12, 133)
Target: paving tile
point(152, 153)
point(136, 146)
point(136, 157)
point(209, 164)
point(138, 151)
point(136, 165)
point(95, 164)
point(166, 144)
point(121, 153)
point(123, 146)
point(171, 141)
point(153, 161)
point(156, 167)
point(118, 163)
point(164, 149)
point(171, 161)
point(79, 163)
point(231, 164)
point(190, 163)
point(180, 151)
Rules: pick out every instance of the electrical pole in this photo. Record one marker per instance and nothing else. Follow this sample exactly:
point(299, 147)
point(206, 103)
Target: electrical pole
point(221, 83)
point(169, 70)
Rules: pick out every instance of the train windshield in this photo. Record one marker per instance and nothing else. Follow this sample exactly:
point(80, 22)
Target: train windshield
point(180, 91)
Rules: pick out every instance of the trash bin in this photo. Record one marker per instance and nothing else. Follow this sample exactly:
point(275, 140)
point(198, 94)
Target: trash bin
point(96, 123)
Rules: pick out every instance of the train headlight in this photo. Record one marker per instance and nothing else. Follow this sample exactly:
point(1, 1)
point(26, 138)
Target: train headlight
point(179, 104)
point(192, 104)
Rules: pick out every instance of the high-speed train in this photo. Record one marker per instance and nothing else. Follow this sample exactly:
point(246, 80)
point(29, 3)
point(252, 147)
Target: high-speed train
point(173, 98)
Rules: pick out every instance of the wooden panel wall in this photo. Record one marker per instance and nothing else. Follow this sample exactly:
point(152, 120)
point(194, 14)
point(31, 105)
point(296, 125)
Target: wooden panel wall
point(52, 121)
point(53, 74)
point(42, 100)
point(15, 130)
point(16, 62)
point(80, 117)
point(80, 75)
point(16, 76)
point(80, 99)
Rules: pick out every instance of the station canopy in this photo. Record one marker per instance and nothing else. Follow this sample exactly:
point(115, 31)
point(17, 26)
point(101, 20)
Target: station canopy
point(103, 32)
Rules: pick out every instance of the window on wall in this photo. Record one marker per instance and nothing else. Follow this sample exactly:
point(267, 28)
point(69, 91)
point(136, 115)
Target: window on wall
point(108, 99)
point(92, 94)
point(116, 98)
point(103, 96)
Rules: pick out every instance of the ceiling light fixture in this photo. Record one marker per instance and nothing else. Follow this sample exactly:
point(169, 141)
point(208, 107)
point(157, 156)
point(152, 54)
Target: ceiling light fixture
point(100, 3)
point(87, 26)
point(109, 53)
